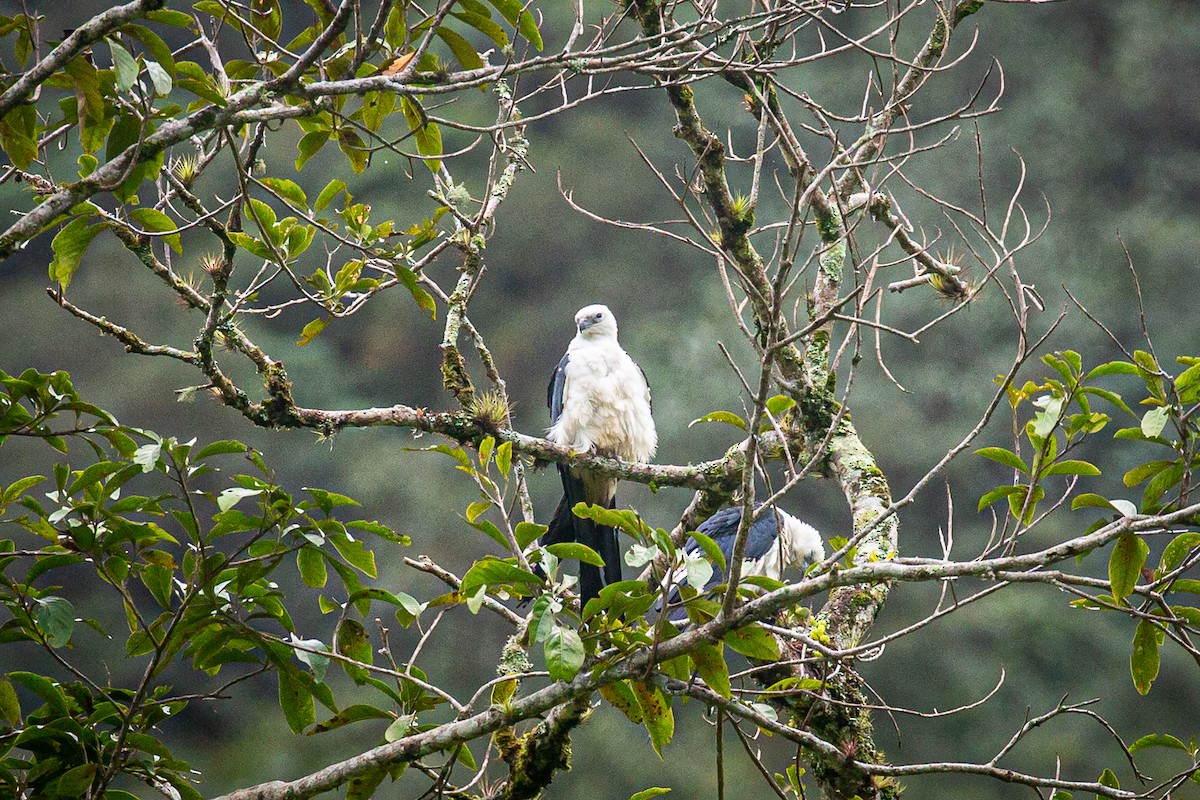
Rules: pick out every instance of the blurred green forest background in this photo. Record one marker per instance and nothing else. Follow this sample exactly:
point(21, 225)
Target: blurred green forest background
point(1102, 101)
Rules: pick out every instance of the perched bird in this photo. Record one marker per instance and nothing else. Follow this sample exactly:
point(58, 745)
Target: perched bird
point(776, 540)
point(599, 402)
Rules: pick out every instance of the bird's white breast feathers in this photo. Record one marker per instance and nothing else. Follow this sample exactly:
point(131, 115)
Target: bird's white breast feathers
point(606, 403)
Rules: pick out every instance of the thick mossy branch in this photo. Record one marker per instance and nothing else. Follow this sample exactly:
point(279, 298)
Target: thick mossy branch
point(534, 758)
point(851, 610)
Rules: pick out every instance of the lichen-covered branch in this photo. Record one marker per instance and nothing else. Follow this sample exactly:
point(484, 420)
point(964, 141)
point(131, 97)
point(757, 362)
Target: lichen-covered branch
point(76, 42)
point(806, 372)
point(535, 757)
point(641, 660)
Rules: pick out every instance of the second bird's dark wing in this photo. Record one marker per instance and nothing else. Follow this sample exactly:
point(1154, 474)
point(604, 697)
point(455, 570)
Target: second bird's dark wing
point(722, 528)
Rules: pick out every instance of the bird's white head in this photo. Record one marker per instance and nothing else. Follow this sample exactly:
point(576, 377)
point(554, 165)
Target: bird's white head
point(596, 322)
point(801, 540)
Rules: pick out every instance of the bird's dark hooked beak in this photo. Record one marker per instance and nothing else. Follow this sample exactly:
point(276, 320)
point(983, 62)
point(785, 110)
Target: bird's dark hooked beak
point(586, 323)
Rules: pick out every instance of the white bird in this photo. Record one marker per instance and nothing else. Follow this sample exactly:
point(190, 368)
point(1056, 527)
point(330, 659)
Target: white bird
point(775, 541)
point(599, 402)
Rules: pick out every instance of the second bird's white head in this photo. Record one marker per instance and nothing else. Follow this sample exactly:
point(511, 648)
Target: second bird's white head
point(596, 322)
point(801, 540)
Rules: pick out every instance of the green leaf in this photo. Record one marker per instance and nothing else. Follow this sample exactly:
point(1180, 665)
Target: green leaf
point(477, 508)
point(494, 572)
point(160, 77)
point(424, 299)
point(1112, 368)
point(426, 133)
point(728, 417)
point(709, 662)
point(646, 794)
point(74, 782)
point(1111, 397)
point(564, 653)
point(69, 245)
point(311, 564)
point(529, 532)
point(1161, 483)
point(56, 620)
point(1107, 778)
point(464, 53)
point(1177, 550)
point(621, 697)
point(528, 28)
point(1071, 467)
point(309, 145)
point(1018, 501)
point(18, 135)
point(504, 457)
point(778, 404)
point(1005, 457)
point(296, 701)
point(1145, 471)
point(754, 641)
point(580, 552)
point(363, 785)
point(351, 640)
point(486, 447)
point(44, 688)
point(10, 707)
point(228, 498)
point(124, 65)
point(1144, 660)
point(222, 447)
point(1145, 361)
point(93, 475)
point(1158, 740)
point(656, 714)
point(1188, 381)
point(328, 193)
point(1045, 420)
point(318, 663)
point(1155, 420)
point(698, 568)
point(289, 190)
point(1189, 614)
point(158, 579)
point(483, 23)
point(1090, 500)
point(355, 553)
point(156, 221)
point(311, 331)
point(493, 532)
point(1125, 564)
point(710, 548)
point(355, 149)
point(398, 729)
point(999, 493)
point(355, 713)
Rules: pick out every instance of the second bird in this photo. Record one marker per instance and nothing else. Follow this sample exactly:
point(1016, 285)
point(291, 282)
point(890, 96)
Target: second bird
point(599, 402)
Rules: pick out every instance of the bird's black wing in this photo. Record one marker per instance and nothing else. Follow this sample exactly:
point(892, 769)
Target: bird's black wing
point(764, 534)
point(722, 528)
point(565, 526)
point(647, 380)
point(554, 392)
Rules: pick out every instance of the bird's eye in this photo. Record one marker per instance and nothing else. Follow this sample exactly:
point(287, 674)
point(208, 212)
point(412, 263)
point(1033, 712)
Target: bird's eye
point(599, 315)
